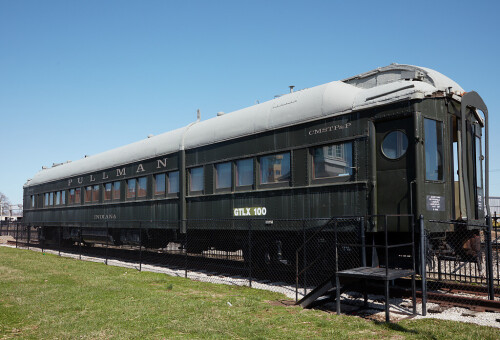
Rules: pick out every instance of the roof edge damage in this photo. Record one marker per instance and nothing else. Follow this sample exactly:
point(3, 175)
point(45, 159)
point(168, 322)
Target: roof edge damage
point(383, 85)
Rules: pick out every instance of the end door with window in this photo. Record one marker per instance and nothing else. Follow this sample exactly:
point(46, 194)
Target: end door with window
point(395, 166)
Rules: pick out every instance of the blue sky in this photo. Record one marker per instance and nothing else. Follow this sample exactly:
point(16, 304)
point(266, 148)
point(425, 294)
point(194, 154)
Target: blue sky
point(83, 77)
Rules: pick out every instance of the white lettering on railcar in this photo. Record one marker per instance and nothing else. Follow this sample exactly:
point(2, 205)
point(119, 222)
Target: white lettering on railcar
point(140, 168)
point(329, 129)
point(162, 162)
point(105, 217)
point(252, 211)
point(120, 172)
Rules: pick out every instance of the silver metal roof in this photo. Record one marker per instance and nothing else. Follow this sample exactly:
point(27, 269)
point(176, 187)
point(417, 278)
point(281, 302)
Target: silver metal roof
point(381, 86)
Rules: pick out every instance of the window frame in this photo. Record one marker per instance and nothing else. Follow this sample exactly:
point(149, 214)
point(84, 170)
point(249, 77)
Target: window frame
point(167, 182)
point(138, 187)
point(98, 200)
point(281, 184)
point(333, 179)
point(155, 185)
point(71, 196)
point(231, 182)
point(196, 192)
point(87, 191)
point(245, 187)
point(443, 170)
point(104, 191)
point(384, 139)
point(79, 191)
point(127, 186)
point(113, 191)
point(57, 198)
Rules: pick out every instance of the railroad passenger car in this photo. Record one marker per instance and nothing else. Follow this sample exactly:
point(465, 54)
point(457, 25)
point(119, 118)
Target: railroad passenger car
point(399, 139)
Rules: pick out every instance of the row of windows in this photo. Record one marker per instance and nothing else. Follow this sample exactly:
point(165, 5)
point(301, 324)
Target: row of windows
point(328, 161)
point(52, 198)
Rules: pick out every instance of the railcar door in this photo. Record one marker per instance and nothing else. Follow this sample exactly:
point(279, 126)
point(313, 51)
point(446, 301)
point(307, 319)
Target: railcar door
point(395, 167)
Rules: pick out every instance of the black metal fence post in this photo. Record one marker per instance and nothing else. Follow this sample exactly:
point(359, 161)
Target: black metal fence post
point(80, 242)
point(41, 237)
point(29, 235)
point(497, 241)
point(249, 222)
point(423, 272)
point(304, 238)
point(107, 243)
point(59, 231)
point(17, 232)
point(489, 259)
point(337, 280)
point(363, 241)
point(140, 246)
point(186, 249)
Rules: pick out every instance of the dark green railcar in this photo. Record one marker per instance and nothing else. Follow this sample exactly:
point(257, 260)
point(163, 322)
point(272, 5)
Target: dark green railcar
point(400, 139)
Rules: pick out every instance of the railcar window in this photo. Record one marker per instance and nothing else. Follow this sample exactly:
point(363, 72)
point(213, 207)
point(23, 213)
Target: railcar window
point(395, 144)
point(63, 197)
point(32, 201)
point(173, 182)
point(71, 199)
point(433, 131)
point(160, 184)
point(223, 175)
point(131, 188)
point(107, 191)
point(116, 191)
point(142, 186)
point(196, 179)
point(275, 168)
point(332, 161)
point(78, 195)
point(51, 198)
point(479, 172)
point(88, 194)
point(46, 201)
point(244, 172)
point(95, 193)
point(58, 198)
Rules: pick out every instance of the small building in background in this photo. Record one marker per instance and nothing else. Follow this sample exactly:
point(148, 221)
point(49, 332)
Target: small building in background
point(495, 206)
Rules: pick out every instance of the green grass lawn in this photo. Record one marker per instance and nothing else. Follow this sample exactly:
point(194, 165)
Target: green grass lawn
point(44, 296)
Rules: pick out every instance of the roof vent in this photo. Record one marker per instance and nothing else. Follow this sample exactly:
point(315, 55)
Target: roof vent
point(56, 164)
point(150, 135)
point(44, 168)
point(220, 113)
point(291, 88)
point(86, 156)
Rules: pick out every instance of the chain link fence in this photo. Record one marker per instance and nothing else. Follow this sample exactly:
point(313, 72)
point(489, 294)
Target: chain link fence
point(462, 263)
point(290, 256)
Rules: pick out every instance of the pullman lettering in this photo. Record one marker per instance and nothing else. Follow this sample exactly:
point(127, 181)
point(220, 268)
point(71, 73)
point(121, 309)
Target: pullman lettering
point(119, 172)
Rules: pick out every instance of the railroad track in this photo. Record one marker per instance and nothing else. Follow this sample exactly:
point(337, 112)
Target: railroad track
point(445, 294)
